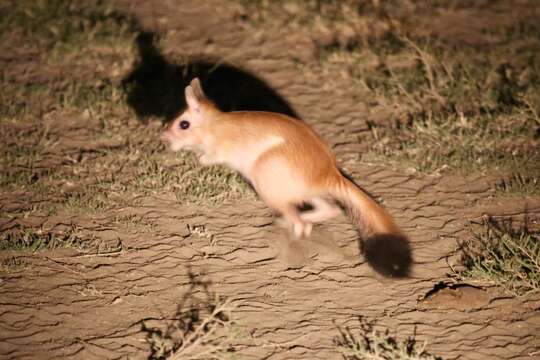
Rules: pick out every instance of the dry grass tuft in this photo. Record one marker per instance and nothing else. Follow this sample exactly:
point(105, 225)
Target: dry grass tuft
point(202, 328)
point(503, 255)
point(372, 344)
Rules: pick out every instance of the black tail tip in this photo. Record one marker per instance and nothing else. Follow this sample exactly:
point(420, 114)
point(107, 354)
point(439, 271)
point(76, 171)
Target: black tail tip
point(388, 254)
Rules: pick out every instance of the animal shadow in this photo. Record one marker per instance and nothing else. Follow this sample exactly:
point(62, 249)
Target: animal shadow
point(155, 86)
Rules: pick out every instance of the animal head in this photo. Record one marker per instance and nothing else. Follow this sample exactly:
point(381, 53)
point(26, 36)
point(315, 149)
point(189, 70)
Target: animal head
point(187, 130)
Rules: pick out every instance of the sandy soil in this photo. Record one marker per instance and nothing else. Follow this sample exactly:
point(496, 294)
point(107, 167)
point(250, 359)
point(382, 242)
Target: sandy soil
point(68, 305)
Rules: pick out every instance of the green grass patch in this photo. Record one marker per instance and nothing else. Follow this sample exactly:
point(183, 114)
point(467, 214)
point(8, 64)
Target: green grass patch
point(136, 223)
point(21, 153)
point(145, 167)
point(61, 46)
point(519, 183)
point(214, 184)
point(503, 255)
point(483, 144)
point(23, 101)
point(90, 200)
point(13, 263)
point(454, 113)
point(466, 117)
point(63, 23)
point(29, 239)
point(372, 344)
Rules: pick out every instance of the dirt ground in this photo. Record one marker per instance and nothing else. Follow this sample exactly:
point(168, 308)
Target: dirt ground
point(111, 305)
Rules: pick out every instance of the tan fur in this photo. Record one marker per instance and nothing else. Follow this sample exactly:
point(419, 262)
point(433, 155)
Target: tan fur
point(285, 160)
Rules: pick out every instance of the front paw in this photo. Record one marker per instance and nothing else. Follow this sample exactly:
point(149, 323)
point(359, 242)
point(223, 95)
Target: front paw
point(205, 159)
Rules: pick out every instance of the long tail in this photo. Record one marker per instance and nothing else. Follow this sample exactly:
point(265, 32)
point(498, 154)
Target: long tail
point(367, 216)
point(385, 247)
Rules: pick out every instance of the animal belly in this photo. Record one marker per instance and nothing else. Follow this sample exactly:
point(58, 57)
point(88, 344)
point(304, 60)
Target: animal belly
point(244, 158)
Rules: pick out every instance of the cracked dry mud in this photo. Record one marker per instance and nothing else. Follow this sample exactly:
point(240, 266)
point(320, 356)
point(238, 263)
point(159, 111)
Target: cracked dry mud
point(67, 305)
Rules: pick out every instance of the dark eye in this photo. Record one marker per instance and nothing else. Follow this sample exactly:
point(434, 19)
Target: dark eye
point(184, 124)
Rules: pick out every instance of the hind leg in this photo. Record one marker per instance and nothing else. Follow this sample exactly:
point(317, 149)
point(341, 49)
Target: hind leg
point(322, 211)
point(300, 227)
point(282, 187)
point(291, 218)
point(302, 222)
